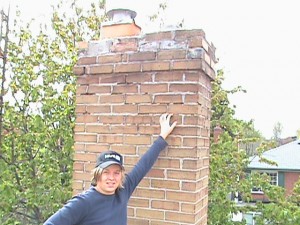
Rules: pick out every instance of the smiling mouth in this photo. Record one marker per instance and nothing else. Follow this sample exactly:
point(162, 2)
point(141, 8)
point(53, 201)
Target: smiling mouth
point(110, 184)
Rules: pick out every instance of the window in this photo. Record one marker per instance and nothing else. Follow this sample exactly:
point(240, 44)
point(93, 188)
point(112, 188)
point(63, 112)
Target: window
point(273, 176)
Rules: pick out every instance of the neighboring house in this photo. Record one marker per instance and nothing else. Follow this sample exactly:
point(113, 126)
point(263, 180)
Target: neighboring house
point(287, 171)
point(285, 174)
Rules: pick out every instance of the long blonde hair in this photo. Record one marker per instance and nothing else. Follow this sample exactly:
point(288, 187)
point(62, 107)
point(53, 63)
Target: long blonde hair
point(97, 172)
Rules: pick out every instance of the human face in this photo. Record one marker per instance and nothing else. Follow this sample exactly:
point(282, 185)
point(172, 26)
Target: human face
point(110, 179)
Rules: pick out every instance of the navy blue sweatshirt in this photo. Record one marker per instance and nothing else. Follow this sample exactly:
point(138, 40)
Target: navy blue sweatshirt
point(93, 208)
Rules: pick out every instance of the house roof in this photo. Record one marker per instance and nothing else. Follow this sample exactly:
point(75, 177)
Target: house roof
point(286, 156)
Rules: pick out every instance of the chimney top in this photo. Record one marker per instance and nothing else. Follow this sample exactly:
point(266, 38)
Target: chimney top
point(121, 15)
point(121, 24)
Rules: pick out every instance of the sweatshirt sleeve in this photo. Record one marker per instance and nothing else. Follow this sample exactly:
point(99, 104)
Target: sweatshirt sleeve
point(71, 213)
point(145, 163)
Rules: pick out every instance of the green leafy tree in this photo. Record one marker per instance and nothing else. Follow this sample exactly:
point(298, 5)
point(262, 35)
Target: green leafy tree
point(227, 160)
point(228, 169)
point(38, 113)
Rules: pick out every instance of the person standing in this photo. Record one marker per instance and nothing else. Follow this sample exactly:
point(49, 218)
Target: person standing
point(105, 202)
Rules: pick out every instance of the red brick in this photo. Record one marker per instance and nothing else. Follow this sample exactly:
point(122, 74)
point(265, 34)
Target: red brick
point(186, 109)
point(182, 35)
point(116, 119)
point(132, 88)
point(155, 66)
point(112, 99)
point(111, 139)
point(138, 99)
point(188, 65)
point(162, 223)
point(184, 152)
point(86, 60)
point(97, 109)
point(158, 36)
point(188, 197)
point(96, 148)
point(168, 99)
point(138, 77)
point(197, 41)
point(124, 108)
point(86, 157)
point(79, 147)
point(87, 99)
point(79, 70)
point(171, 54)
point(124, 44)
point(86, 119)
point(79, 128)
point(137, 140)
point(137, 221)
point(156, 173)
point(124, 130)
point(97, 129)
point(88, 79)
point(81, 176)
point(169, 76)
point(165, 184)
point(190, 88)
point(193, 98)
point(192, 163)
point(139, 119)
point(154, 88)
point(113, 58)
point(142, 56)
point(78, 166)
point(127, 68)
point(92, 89)
point(149, 193)
point(85, 137)
point(81, 89)
point(139, 202)
point(167, 163)
point(80, 109)
point(182, 175)
point(165, 205)
point(180, 217)
point(152, 109)
point(119, 79)
point(77, 185)
point(100, 69)
point(149, 213)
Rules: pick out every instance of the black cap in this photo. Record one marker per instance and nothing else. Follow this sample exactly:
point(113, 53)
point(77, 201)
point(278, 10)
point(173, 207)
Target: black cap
point(108, 158)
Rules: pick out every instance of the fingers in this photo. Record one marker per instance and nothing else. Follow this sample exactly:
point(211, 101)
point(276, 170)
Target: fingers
point(168, 117)
point(165, 117)
point(173, 125)
point(166, 128)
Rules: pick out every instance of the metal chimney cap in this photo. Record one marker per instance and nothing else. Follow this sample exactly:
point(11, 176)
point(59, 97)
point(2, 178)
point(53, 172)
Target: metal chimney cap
point(121, 14)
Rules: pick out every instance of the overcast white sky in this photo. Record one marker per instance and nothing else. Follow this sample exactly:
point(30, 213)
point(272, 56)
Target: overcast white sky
point(258, 46)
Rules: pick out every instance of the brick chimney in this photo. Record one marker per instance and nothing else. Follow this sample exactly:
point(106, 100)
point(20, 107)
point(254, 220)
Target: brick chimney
point(124, 84)
point(217, 132)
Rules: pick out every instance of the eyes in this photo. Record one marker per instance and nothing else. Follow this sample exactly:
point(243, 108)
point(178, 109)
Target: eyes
point(107, 172)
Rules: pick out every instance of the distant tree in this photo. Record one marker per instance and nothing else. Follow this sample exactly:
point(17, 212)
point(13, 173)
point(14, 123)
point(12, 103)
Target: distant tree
point(277, 131)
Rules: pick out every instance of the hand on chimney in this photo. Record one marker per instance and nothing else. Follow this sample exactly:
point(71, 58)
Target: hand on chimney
point(165, 127)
